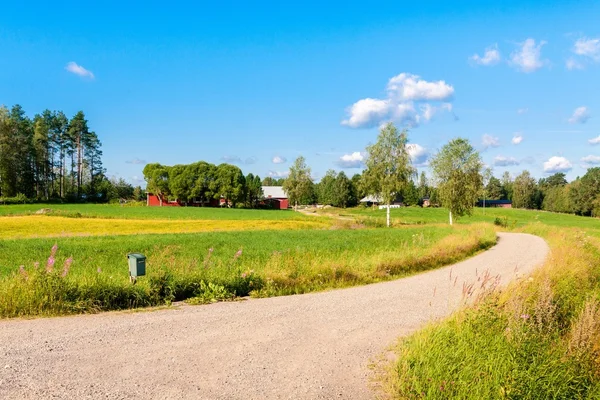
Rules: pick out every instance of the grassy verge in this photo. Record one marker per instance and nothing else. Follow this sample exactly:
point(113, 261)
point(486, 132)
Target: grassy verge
point(89, 274)
point(540, 339)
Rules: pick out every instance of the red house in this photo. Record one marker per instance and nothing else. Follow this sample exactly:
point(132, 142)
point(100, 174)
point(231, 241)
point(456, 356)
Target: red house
point(275, 197)
point(155, 200)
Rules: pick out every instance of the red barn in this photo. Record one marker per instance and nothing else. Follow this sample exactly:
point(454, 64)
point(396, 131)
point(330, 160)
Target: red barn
point(275, 197)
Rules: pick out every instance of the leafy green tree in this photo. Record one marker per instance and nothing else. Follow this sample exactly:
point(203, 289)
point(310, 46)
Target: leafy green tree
point(326, 188)
point(359, 194)
point(507, 186)
point(389, 167)
point(494, 189)
point(253, 190)
point(157, 180)
point(270, 181)
point(423, 189)
point(343, 191)
point(298, 185)
point(457, 170)
point(229, 184)
point(585, 192)
point(524, 191)
point(410, 194)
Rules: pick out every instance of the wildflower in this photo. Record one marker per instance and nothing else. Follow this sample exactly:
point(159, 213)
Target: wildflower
point(238, 254)
point(53, 250)
point(36, 264)
point(23, 272)
point(50, 264)
point(525, 316)
point(244, 275)
point(99, 270)
point(67, 266)
point(210, 250)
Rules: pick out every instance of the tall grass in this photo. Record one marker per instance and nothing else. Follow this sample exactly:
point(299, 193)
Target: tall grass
point(539, 339)
point(209, 268)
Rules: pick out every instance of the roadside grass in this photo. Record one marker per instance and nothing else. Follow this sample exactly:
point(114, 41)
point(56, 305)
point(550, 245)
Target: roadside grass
point(32, 226)
point(143, 212)
point(206, 267)
point(537, 339)
point(513, 217)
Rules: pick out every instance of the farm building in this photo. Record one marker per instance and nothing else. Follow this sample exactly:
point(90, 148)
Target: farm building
point(275, 197)
point(160, 200)
point(371, 200)
point(495, 203)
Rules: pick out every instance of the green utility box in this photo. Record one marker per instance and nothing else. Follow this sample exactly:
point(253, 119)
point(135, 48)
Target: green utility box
point(137, 264)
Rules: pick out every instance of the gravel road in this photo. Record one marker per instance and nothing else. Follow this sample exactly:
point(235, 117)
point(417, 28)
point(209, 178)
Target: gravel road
point(313, 346)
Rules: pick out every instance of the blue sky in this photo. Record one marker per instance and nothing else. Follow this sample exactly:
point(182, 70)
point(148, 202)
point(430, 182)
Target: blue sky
point(253, 84)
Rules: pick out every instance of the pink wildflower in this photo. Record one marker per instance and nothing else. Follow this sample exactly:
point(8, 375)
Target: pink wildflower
point(23, 272)
point(53, 250)
point(99, 270)
point(525, 316)
point(238, 254)
point(67, 266)
point(50, 264)
point(36, 264)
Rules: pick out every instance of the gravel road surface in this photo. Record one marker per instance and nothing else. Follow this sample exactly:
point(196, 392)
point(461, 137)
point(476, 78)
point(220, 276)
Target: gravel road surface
point(313, 346)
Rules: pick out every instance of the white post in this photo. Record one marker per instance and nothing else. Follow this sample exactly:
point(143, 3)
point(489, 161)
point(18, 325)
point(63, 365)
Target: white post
point(450, 217)
point(388, 215)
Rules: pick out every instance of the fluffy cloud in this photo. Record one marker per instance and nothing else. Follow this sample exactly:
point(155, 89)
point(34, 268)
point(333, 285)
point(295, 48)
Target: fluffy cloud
point(573, 64)
point(590, 160)
point(491, 56)
point(528, 57)
point(238, 160)
point(354, 160)
point(279, 174)
point(522, 111)
point(580, 116)
point(136, 161)
point(517, 138)
point(594, 141)
point(411, 87)
point(279, 160)
point(418, 154)
point(501, 161)
point(79, 70)
point(588, 48)
point(489, 141)
point(406, 103)
point(557, 164)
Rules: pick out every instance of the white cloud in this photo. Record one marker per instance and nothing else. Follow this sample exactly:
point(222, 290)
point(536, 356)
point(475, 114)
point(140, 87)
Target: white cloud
point(279, 160)
point(136, 161)
point(528, 58)
point(250, 160)
point(489, 141)
point(573, 64)
point(279, 174)
point(354, 160)
point(418, 154)
point(232, 159)
point(501, 161)
point(594, 141)
point(557, 164)
point(367, 113)
point(522, 111)
point(491, 56)
point(407, 95)
point(411, 87)
point(588, 48)
point(591, 160)
point(79, 70)
point(517, 138)
point(580, 116)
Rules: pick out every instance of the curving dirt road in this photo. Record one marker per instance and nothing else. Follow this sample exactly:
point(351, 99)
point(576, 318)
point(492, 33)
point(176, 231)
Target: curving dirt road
point(313, 346)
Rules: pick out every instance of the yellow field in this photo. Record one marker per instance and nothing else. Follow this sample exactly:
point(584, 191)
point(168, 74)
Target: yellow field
point(34, 226)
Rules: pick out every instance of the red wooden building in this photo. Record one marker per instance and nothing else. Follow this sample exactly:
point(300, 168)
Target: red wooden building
point(275, 197)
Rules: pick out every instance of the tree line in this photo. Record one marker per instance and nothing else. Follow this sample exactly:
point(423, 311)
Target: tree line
point(49, 156)
point(203, 182)
point(554, 193)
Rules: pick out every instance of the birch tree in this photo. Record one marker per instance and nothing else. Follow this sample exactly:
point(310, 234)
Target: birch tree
point(389, 168)
point(457, 170)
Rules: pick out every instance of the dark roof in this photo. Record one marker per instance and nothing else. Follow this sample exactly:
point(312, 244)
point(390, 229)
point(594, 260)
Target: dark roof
point(496, 201)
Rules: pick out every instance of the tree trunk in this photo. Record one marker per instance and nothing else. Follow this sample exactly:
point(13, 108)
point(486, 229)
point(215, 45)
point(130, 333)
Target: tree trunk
point(388, 215)
point(450, 217)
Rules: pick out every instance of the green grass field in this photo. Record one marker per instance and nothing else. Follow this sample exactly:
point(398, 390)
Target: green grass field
point(140, 212)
